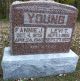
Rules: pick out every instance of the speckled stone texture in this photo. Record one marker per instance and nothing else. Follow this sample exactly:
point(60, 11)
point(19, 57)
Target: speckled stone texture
point(41, 27)
point(37, 65)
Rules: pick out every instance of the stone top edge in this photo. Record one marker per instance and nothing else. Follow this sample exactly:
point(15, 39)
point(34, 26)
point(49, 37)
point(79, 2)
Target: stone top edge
point(41, 1)
point(8, 57)
point(7, 50)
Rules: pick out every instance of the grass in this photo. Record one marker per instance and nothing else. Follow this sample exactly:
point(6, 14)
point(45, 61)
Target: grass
point(75, 46)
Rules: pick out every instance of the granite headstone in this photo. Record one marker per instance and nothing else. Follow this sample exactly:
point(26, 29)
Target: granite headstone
point(41, 27)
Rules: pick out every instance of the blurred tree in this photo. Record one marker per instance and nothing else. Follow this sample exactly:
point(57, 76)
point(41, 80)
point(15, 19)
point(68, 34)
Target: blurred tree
point(3, 9)
point(77, 4)
point(66, 1)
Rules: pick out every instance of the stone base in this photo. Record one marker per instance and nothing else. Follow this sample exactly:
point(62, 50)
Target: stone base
point(37, 65)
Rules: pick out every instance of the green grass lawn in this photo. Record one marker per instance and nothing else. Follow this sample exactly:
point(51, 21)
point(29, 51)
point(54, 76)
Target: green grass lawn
point(75, 46)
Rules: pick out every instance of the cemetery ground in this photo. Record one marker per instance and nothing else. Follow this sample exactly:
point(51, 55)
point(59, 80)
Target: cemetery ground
point(75, 46)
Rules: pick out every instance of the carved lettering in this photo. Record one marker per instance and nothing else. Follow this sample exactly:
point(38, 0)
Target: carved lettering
point(43, 18)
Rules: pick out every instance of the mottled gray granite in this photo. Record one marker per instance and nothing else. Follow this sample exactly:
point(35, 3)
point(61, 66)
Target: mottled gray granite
point(37, 65)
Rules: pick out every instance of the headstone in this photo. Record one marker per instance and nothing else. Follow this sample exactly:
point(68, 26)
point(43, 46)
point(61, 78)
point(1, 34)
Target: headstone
point(38, 65)
point(41, 27)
